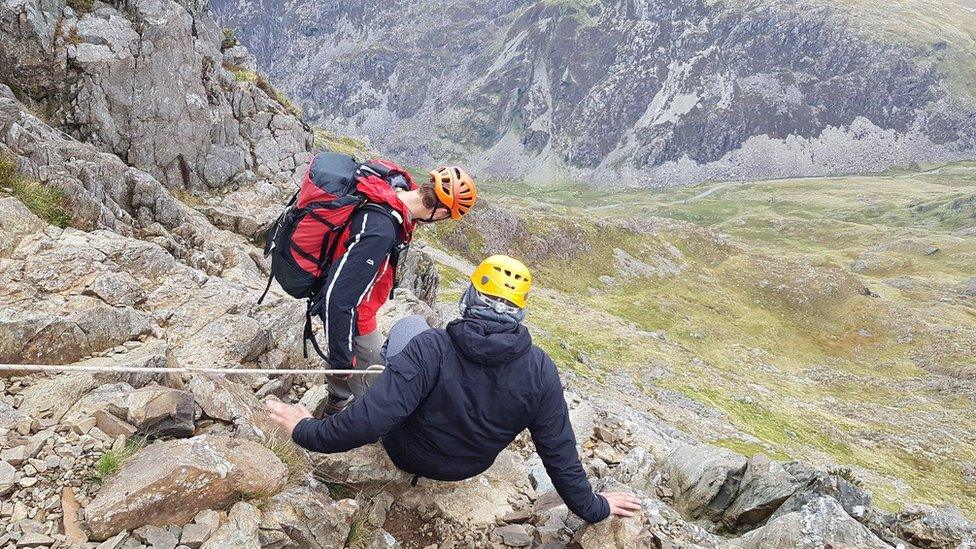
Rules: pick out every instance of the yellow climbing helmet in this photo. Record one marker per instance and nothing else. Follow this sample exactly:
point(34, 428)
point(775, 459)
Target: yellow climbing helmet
point(504, 277)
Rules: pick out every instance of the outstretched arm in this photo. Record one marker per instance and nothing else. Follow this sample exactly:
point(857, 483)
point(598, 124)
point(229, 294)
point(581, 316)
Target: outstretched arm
point(556, 445)
point(390, 399)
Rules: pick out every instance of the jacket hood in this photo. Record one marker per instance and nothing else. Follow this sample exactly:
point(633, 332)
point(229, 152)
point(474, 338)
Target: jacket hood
point(379, 191)
point(489, 342)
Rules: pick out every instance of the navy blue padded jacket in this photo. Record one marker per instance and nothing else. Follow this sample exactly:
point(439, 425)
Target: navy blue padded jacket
point(453, 399)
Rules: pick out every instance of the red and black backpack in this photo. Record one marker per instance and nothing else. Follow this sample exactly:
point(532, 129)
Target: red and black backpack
point(302, 241)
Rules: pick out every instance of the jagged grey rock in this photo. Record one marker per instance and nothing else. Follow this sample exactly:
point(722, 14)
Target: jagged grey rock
point(161, 411)
point(818, 523)
point(147, 81)
point(812, 484)
point(169, 482)
point(935, 528)
point(598, 87)
point(704, 479)
point(765, 486)
point(309, 517)
point(240, 530)
point(228, 401)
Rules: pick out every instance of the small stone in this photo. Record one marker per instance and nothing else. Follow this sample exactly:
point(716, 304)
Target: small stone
point(606, 435)
point(606, 453)
point(15, 455)
point(514, 535)
point(27, 482)
point(518, 517)
point(7, 475)
point(82, 426)
point(156, 537)
point(34, 540)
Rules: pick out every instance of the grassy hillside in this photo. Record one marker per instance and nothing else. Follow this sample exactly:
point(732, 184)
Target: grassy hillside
point(826, 319)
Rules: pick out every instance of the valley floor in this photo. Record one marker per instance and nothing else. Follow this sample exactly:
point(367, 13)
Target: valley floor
point(830, 320)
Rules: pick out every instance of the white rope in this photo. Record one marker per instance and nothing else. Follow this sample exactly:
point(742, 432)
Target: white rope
point(375, 369)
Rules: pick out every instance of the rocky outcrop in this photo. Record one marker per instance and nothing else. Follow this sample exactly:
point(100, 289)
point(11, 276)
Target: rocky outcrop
point(148, 81)
point(308, 517)
point(647, 93)
point(170, 482)
point(820, 523)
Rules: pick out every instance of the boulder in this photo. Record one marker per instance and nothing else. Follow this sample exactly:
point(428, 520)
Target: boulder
point(704, 479)
point(931, 528)
point(225, 342)
point(812, 484)
point(764, 487)
point(362, 467)
point(169, 482)
point(309, 517)
point(615, 532)
point(225, 400)
point(53, 398)
point(161, 411)
point(483, 499)
point(819, 523)
point(315, 399)
point(514, 535)
point(240, 530)
point(16, 222)
point(111, 397)
point(117, 289)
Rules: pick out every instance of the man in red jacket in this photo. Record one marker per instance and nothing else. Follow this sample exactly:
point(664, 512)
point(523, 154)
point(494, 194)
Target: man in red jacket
point(361, 276)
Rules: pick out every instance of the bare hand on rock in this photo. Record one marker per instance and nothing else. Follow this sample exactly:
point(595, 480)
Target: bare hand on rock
point(622, 504)
point(286, 415)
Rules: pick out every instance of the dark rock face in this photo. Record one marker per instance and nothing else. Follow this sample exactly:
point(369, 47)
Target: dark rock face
point(654, 92)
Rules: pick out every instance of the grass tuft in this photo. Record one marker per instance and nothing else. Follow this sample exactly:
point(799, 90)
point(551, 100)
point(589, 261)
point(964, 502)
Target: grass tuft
point(112, 460)
point(342, 144)
point(361, 532)
point(47, 202)
point(847, 474)
point(293, 456)
point(229, 41)
point(242, 74)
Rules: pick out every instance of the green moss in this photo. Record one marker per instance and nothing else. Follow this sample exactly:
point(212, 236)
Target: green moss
point(229, 41)
point(242, 74)
point(81, 7)
point(342, 144)
point(45, 201)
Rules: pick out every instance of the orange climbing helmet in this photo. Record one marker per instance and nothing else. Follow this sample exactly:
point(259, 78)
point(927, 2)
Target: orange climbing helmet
point(504, 277)
point(455, 189)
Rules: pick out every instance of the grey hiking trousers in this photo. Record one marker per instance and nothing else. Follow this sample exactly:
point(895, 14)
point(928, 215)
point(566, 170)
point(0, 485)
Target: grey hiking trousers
point(367, 349)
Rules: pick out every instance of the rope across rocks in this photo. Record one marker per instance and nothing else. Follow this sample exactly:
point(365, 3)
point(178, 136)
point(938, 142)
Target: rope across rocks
point(375, 369)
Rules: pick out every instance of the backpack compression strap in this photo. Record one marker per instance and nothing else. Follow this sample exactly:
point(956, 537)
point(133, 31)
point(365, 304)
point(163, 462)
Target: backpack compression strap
point(395, 253)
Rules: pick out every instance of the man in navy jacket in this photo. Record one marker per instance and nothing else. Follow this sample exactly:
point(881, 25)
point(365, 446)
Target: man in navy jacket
point(451, 400)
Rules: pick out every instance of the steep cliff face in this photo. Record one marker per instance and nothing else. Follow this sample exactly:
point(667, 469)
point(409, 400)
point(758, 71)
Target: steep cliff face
point(148, 81)
point(656, 91)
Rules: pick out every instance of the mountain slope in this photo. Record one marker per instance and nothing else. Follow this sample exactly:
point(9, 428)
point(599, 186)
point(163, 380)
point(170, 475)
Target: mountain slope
point(830, 320)
point(650, 93)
